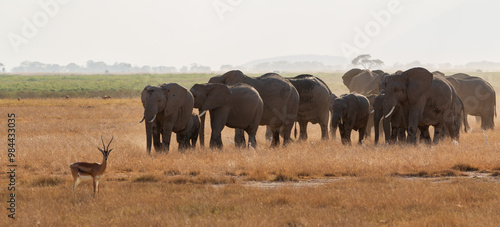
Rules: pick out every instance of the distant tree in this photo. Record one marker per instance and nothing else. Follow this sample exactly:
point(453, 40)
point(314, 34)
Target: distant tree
point(98, 67)
point(366, 61)
point(195, 68)
point(3, 68)
point(72, 67)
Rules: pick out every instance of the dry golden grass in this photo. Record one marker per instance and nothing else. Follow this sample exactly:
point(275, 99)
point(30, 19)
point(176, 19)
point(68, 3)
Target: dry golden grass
point(307, 183)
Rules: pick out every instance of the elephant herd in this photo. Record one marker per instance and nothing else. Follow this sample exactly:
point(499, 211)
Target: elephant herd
point(407, 103)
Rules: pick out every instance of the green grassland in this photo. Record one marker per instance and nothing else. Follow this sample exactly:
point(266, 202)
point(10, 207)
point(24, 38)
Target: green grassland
point(130, 86)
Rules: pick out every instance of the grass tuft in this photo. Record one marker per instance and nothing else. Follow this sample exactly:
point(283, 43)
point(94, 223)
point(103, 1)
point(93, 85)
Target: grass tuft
point(464, 167)
point(146, 178)
point(46, 181)
point(284, 177)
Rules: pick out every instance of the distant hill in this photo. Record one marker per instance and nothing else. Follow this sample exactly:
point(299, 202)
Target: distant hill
point(294, 63)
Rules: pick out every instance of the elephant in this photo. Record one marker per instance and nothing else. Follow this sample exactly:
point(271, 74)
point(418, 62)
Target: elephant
point(188, 139)
point(365, 82)
point(168, 108)
point(397, 121)
point(236, 106)
point(281, 101)
point(315, 98)
point(332, 132)
point(350, 112)
point(478, 97)
point(426, 100)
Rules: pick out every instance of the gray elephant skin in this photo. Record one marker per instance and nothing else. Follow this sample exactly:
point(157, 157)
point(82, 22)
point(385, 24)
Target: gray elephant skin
point(315, 99)
point(350, 112)
point(190, 137)
point(478, 97)
point(236, 106)
point(397, 121)
point(169, 109)
point(426, 100)
point(363, 82)
point(281, 100)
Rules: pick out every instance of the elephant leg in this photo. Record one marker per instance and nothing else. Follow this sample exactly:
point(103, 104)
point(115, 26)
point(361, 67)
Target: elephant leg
point(362, 132)
point(166, 135)
point(345, 135)
point(438, 132)
point(252, 141)
point(276, 137)
point(487, 121)
point(401, 135)
point(286, 131)
point(252, 132)
point(269, 133)
point(424, 134)
point(414, 118)
point(239, 138)
point(157, 133)
point(217, 122)
point(216, 140)
point(303, 130)
point(324, 130)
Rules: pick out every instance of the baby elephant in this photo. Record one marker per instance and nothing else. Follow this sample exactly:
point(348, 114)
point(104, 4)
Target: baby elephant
point(350, 111)
point(188, 138)
point(237, 106)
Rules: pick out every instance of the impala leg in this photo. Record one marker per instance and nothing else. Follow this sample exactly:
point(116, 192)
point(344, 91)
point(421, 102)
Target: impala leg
point(95, 182)
point(75, 183)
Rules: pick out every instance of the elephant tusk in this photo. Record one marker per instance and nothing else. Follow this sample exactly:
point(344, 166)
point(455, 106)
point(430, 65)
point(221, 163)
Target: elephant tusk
point(341, 121)
point(373, 111)
point(142, 119)
point(152, 119)
point(202, 113)
point(390, 112)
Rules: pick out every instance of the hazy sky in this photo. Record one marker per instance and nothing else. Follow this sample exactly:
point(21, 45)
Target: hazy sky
point(216, 32)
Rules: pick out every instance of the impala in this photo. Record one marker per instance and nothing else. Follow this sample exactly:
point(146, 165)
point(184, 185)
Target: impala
point(82, 170)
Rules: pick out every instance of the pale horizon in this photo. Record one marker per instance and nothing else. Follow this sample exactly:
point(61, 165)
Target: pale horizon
point(219, 32)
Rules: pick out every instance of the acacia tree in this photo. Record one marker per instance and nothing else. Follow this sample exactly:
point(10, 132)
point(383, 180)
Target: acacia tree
point(366, 61)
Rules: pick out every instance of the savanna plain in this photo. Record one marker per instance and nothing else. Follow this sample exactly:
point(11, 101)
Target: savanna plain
point(306, 183)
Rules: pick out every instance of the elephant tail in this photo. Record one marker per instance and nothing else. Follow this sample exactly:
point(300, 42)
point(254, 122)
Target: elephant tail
point(295, 130)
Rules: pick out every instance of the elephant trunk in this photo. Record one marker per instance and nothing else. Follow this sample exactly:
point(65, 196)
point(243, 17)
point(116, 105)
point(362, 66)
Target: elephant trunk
point(149, 138)
point(150, 113)
point(376, 124)
point(334, 124)
point(202, 116)
point(387, 121)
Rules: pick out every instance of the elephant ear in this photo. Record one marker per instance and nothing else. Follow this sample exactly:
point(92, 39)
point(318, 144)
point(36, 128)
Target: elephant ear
point(347, 77)
point(418, 83)
point(218, 95)
point(176, 97)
